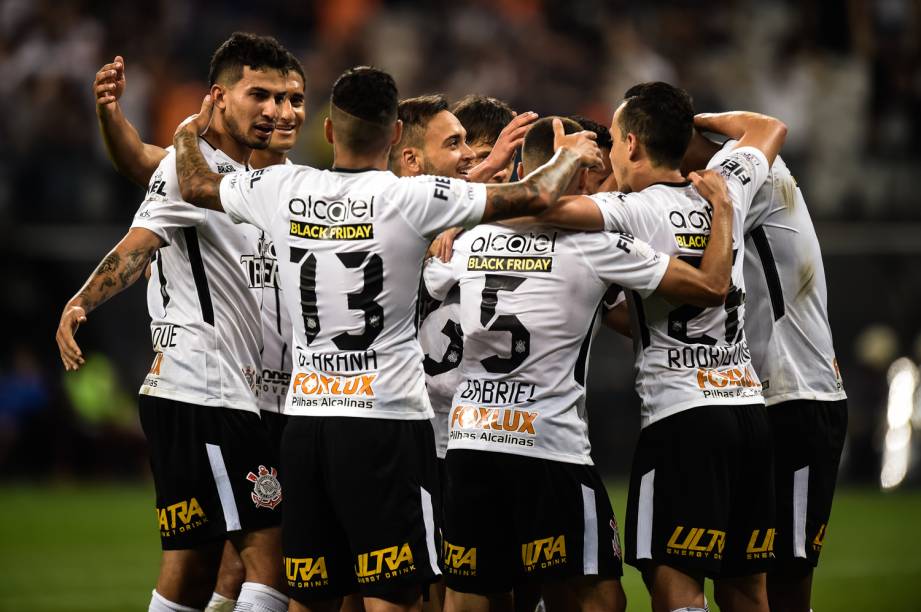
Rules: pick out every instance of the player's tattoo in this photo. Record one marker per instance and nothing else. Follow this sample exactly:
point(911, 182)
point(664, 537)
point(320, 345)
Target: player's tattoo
point(533, 194)
point(198, 184)
point(113, 274)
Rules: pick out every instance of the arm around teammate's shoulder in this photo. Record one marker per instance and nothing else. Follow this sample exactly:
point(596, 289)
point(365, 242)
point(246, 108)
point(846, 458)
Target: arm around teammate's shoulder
point(708, 285)
point(540, 189)
point(197, 183)
point(762, 132)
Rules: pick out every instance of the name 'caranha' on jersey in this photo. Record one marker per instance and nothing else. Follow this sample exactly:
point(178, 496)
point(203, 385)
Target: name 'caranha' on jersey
point(350, 247)
point(528, 307)
point(205, 319)
point(786, 320)
point(689, 356)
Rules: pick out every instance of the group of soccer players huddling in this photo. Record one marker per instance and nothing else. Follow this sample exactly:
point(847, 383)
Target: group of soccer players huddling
point(368, 385)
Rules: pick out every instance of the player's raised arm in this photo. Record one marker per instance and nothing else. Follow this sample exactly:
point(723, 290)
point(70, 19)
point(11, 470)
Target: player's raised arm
point(708, 285)
point(118, 270)
point(132, 157)
point(543, 187)
point(751, 130)
point(197, 183)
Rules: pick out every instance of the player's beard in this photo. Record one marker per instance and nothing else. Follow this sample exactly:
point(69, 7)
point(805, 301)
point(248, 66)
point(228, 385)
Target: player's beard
point(233, 128)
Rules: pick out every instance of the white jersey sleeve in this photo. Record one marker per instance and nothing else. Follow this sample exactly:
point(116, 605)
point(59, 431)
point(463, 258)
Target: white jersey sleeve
point(745, 169)
point(163, 211)
point(439, 277)
point(621, 259)
point(436, 203)
point(624, 213)
point(251, 197)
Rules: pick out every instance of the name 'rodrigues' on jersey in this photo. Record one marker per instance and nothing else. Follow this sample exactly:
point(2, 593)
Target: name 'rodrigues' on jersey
point(528, 309)
point(689, 356)
point(350, 247)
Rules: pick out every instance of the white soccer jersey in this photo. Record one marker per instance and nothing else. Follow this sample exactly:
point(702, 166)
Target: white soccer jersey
point(529, 300)
point(786, 320)
point(688, 356)
point(442, 346)
point(205, 321)
point(350, 247)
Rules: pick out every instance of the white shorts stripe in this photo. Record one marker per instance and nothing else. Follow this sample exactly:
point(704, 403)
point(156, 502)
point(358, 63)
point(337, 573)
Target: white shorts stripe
point(800, 503)
point(224, 490)
point(644, 516)
point(589, 532)
point(428, 517)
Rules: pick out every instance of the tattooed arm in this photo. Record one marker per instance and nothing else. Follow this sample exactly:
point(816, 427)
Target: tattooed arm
point(197, 183)
point(542, 187)
point(118, 270)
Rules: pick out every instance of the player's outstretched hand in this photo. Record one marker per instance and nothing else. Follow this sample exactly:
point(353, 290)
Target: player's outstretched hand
point(443, 245)
point(512, 136)
point(712, 186)
point(109, 84)
point(582, 143)
point(71, 319)
point(198, 123)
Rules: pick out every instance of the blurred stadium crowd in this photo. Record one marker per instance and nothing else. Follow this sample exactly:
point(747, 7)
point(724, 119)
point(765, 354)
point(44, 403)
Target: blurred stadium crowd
point(844, 76)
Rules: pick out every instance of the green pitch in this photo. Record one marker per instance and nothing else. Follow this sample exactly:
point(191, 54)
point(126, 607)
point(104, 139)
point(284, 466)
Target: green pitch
point(95, 548)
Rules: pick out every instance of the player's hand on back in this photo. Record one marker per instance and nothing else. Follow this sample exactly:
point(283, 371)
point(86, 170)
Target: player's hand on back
point(582, 143)
point(109, 84)
point(71, 319)
point(712, 186)
point(198, 123)
point(443, 245)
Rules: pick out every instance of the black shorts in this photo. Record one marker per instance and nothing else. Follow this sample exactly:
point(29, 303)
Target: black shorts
point(808, 439)
point(362, 506)
point(511, 519)
point(215, 471)
point(274, 423)
point(702, 493)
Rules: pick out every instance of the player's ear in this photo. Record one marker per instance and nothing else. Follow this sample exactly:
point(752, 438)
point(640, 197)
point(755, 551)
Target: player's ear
point(410, 162)
point(217, 95)
point(397, 133)
point(633, 146)
point(328, 130)
point(520, 171)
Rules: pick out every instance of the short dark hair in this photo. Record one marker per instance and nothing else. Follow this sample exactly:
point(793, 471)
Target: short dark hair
point(483, 117)
point(246, 49)
point(662, 118)
point(538, 142)
point(294, 65)
point(603, 133)
point(415, 113)
point(364, 108)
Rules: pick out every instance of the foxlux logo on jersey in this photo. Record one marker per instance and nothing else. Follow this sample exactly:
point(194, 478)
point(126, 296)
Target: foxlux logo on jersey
point(342, 219)
point(317, 389)
point(531, 252)
point(506, 425)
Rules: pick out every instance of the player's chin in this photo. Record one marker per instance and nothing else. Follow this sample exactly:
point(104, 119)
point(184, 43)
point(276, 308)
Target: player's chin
point(283, 139)
point(260, 136)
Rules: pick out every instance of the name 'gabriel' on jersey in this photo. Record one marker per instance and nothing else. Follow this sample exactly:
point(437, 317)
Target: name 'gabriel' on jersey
point(350, 247)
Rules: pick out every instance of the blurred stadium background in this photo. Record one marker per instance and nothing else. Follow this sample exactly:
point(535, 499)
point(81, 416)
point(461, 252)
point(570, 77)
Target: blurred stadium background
point(76, 526)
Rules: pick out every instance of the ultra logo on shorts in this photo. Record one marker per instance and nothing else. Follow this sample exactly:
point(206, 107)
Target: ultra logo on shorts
point(698, 542)
point(266, 488)
point(306, 572)
point(764, 549)
point(459, 561)
point(544, 553)
point(389, 562)
point(180, 517)
point(819, 538)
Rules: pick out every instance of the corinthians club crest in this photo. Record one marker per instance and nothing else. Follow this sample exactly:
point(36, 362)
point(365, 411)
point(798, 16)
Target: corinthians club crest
point(266, 488)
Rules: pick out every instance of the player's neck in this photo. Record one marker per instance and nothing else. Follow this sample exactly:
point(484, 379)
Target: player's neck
point(264, 158)
point(699, 152)
point(349, 160)
point(651, 175)
point(219, 137)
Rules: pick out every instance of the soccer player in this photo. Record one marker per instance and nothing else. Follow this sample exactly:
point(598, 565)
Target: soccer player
point(358, 451)
point(786, 324)
point(486, 120)
point(212, 460)
point(138, 161)
point(701, 487)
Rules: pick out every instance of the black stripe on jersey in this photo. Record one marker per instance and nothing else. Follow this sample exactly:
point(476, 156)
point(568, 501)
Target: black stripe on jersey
point(582, 359)
point(641, 318)
point(162, 277)
point(775, 290)
point(198, 274)
point(278, 308)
